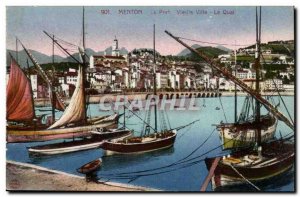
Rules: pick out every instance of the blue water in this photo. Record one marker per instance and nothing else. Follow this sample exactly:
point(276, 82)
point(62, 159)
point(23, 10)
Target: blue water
point(189, 178)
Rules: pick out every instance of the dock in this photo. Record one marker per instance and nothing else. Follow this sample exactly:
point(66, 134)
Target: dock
point(29, 177)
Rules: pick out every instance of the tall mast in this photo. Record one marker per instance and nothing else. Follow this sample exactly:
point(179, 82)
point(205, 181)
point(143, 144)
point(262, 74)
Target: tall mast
point(84, 67)
point(154, 71)
point(124, 124)
point(257, 67)
point(235, 93)
point(219, 68)
point(17, 59)
point(52, 87)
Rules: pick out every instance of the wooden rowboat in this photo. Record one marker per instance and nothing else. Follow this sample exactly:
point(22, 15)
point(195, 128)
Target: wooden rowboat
point(90, 167)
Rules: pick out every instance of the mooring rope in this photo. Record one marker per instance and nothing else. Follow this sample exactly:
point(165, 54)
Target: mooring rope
point(223, 109)
point(244, 177)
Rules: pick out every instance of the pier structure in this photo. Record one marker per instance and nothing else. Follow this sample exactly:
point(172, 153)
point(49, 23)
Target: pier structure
point(195, 94)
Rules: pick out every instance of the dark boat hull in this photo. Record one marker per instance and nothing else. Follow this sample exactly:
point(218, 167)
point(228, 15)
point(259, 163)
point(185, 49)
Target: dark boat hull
point(90, 167)
point(132, 148)
point(225, 175)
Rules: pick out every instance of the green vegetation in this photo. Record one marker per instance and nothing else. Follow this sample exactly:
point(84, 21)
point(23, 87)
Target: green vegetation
point(277, 48)
point(244, 58)
point(211, 52)
point(176, 58)
point(275, 67)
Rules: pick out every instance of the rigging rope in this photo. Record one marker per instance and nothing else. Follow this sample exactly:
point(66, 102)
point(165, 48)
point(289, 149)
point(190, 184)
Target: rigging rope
point(214, 43)
point(223, 109)
point(280, 96)
point(168, 120)
point(181, 161)
point(188, 129)
point(244, 177)
point(195, 150)
point(183, 164)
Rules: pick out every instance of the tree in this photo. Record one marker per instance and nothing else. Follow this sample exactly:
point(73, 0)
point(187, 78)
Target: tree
point(270, 75)
point(285, 80)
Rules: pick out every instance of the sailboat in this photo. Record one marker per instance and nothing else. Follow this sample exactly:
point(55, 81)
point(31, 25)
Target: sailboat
point(92, 142)
point(24, 126)
point(262, 161)
point(148, 142)
point(243, 131)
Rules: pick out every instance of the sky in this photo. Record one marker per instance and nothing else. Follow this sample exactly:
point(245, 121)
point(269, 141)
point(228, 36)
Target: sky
point(212, 24)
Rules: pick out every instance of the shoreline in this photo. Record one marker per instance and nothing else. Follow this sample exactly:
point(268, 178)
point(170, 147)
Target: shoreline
point(30, 177)
point(95, 99)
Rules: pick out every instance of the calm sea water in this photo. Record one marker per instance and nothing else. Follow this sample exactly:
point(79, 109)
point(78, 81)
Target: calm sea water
point(178, 178)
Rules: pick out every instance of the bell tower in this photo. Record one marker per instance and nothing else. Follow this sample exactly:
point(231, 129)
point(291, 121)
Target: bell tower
point(115, 48)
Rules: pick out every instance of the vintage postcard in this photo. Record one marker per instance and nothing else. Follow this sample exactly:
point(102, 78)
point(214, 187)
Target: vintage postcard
point(150, 98)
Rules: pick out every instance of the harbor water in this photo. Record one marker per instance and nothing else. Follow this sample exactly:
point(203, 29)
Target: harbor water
point(184, 177)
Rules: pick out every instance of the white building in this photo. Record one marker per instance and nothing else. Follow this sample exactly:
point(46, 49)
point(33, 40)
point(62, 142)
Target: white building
point(174, 79)
point(115, 48)
point(34, 84)
point(158, 80)
point(71, 78)
point(245, 74)
point(126, 77)
point(284, 74)
point(134, 74)
point(65, 88)
point(270, 84)
point(288, 87)
point(225, 58)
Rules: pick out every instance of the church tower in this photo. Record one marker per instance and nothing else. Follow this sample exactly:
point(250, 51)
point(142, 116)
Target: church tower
point(115, 48)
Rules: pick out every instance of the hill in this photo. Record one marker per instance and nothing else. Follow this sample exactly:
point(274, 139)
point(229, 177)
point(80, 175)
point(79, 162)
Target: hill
point(278, 47)
point(211, 52)
point(224, 48)
point(185, 52)
point(40, 57)
point(44, 59)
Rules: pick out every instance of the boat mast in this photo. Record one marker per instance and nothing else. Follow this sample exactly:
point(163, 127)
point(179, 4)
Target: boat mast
point(124, 124)
point(17, 59)
point(84, 67)
point(154, 73)
point(29, 79)
point(218, 67)
point(52, 87)
point(257, 67)
point(235, 93)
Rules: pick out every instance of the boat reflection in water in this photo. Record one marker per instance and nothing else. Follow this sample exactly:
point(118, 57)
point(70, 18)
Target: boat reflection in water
point(112, 163)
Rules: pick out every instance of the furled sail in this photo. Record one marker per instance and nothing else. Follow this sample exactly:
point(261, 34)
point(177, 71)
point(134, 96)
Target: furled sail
point(75, 112)
point(19, 102)
point(58, 104)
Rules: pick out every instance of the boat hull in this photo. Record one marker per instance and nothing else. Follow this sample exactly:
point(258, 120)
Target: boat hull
point(73, 146)
point(111, 148)
point(14, 136)
point(90, 167)
point(225, 175)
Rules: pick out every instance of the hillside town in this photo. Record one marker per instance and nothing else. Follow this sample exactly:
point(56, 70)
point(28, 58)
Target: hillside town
point(133, 72)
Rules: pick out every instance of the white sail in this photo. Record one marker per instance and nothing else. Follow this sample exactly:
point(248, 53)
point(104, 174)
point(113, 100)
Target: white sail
point(75, 112)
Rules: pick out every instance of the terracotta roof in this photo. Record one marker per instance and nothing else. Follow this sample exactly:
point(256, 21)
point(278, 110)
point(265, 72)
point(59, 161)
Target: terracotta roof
point(109, 57)
point(71, 74)
point(249, 80)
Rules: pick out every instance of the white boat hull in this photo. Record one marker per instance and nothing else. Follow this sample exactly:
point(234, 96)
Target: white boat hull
point(65, 150)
